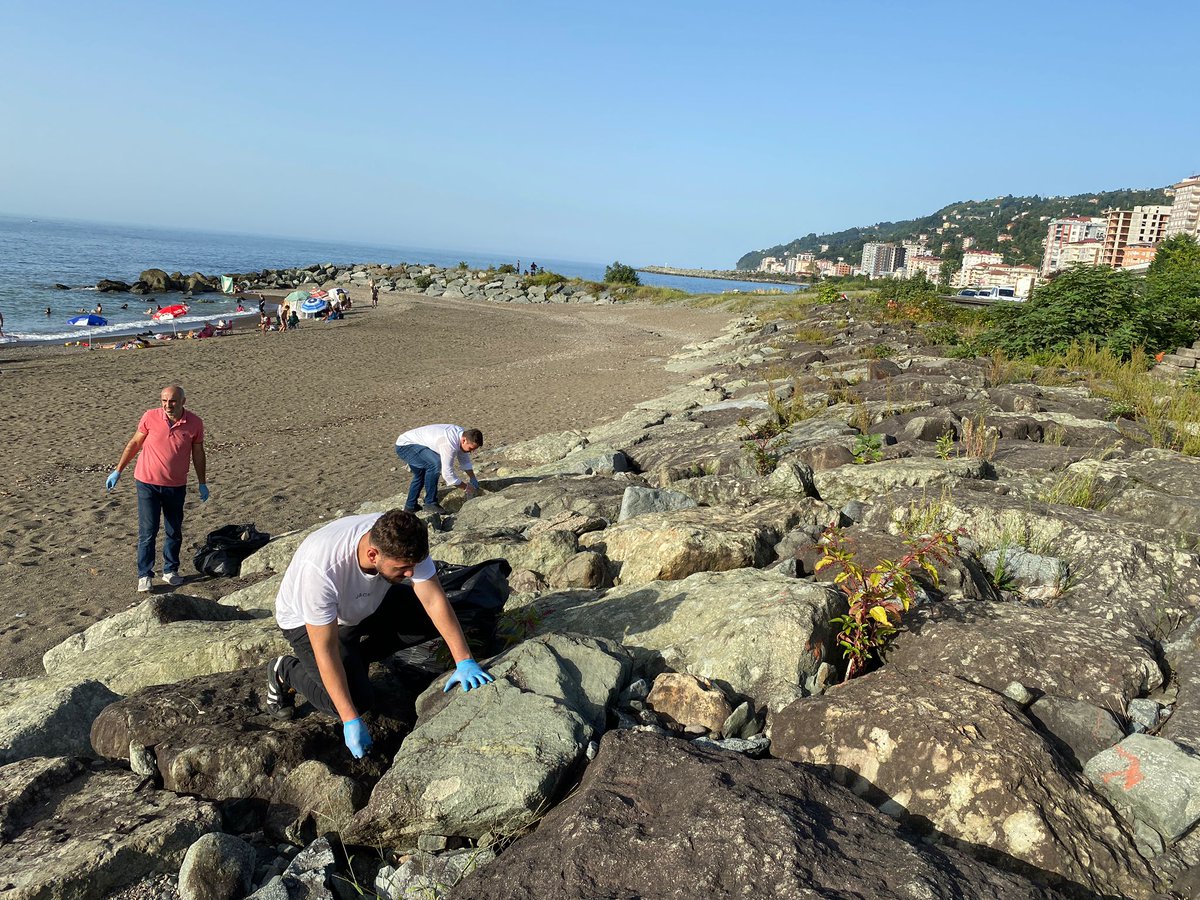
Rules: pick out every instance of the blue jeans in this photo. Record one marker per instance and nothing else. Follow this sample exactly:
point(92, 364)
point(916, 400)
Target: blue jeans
point(155, 501)
point(426, 468)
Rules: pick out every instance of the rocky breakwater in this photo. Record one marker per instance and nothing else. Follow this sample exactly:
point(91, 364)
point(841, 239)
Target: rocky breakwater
point(432, 281)
point(669, 718)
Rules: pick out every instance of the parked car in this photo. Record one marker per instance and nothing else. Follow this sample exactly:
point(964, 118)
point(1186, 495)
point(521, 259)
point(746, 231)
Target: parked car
point(967, 293)
point(996, 293)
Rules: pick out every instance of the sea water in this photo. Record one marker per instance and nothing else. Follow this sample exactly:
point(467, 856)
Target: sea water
point(37, 254)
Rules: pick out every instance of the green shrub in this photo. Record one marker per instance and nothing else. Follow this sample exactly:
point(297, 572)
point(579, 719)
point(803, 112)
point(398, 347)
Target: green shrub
point(868, 448)
point(544, 279)
point(423, 281)
point(619, 273)
point(507, 269)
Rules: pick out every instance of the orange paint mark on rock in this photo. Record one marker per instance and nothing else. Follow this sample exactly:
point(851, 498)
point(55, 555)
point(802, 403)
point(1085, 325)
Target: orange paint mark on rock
point(1132, 773)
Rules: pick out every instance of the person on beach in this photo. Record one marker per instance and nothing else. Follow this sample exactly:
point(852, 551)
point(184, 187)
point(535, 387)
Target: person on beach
point(331, 608)
point(374, 294)
point(283, 317)
point(293, 320)
point(171, 437)
point(2, 321)
point(431, 452)
point(47, 310)
point(264, 322)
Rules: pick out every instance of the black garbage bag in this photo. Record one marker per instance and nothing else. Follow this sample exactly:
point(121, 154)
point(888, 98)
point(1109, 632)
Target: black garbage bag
point(477, 593)
point(224, 549)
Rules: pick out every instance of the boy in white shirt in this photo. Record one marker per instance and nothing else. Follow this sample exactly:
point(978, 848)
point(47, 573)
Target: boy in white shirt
point(330, 608)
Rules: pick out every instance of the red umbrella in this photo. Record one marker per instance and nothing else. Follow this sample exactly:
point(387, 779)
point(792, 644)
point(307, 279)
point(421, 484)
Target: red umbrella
point(170, 314)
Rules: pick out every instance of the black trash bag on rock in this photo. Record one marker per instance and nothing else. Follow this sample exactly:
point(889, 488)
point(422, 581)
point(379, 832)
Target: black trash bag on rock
point(477, 593)
point(224, 549)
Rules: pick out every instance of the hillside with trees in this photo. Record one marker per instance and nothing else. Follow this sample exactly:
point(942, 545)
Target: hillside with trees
point(1024, 218)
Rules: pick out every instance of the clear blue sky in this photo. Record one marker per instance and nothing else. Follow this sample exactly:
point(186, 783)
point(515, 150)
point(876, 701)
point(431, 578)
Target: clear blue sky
point(679, 133)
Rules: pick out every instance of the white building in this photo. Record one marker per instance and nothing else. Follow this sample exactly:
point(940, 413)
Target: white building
point(1185, 212)
point(1070, 230)
point(880, 259)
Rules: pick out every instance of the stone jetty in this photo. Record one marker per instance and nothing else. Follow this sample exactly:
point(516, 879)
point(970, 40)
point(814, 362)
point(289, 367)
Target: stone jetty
point(670, 715)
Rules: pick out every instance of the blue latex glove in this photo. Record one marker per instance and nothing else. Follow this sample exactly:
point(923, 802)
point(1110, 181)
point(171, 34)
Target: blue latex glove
point(357, 738)
point(113, 477)
point(203, 492)
point(469, 674)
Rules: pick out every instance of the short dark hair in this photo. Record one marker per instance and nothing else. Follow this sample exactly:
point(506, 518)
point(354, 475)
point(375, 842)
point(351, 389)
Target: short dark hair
point(399, 534)
point(474, 436)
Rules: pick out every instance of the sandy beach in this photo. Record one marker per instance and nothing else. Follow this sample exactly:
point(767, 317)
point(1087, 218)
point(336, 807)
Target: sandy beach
point(300, 426)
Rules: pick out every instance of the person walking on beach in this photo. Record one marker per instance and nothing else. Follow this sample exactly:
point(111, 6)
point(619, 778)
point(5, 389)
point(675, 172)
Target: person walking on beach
point(374, 294)
point(169, 438)
point(334, 609)
point(431, 452)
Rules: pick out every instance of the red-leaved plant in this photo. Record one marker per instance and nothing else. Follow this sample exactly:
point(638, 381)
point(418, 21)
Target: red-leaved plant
point(878, 597)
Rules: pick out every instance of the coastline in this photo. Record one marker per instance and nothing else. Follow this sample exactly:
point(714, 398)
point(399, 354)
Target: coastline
point(299, 428)
point(720, 275)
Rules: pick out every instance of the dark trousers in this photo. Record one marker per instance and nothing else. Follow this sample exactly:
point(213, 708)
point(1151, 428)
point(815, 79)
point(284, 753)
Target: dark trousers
point(426, 468)
point(399, 622)
point(156, 501)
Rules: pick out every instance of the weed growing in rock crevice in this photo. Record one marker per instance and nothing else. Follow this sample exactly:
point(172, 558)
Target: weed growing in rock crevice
point(878, 597)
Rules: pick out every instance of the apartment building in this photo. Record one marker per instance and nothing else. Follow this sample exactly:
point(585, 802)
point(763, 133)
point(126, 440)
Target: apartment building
point(930, 265)
point(1185, 213)
point(1022, 278)
point(1070, 230)
point(881, 259)
point(800, 264)
point(1140, 225)
point(771, 264)
point(1077, 253)
point(1138, 256)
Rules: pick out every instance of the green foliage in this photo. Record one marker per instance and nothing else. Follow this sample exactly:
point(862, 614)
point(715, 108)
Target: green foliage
point(520, 624)
point(879, 351)
point(619, 273)
point(1077, 488)
point(878, 597)
point(794, 409)
point(828, 292)
point(462, 264)
point(868, 448)
point(764, 445)
point(946, 335)
point(945, 445)
point(1173, 279)
point(422, 281)
point(544, 279)
point(507, 269)
point(912, 300)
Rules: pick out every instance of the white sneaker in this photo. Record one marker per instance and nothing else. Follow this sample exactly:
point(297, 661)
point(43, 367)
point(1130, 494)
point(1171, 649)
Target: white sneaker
point(144, 584)
point(172, 578)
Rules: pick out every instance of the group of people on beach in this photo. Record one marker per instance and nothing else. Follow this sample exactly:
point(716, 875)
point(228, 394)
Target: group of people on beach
point(330, 604)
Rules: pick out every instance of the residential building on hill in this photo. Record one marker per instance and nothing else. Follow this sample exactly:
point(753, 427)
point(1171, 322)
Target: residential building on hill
point(1070, 230)
point(771, 264)
point(1185, 212)
point(1077, 253)
point(1021, 278)
point(1138, 255)
point(881, 259)
point(930, 265)
point(1140, 225)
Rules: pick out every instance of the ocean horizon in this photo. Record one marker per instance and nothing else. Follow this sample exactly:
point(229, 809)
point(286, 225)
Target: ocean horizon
point(38, 253)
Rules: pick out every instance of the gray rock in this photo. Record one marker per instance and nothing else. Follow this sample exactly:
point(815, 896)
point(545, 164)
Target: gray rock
point(1023, 569)
point(994, 644)
point(715, 824)
point(493, 758)
point(217, 867)
point(1083, 729)
point(49, 716)
point(963, 761)
point(869, 482)
point(755, 748)
point(1152, 780)
point(1018, 693)
point(760, 633)
point(72, 833)
point(1144, 715)
point(741, 716)
point(638, 501)
point(424, 875)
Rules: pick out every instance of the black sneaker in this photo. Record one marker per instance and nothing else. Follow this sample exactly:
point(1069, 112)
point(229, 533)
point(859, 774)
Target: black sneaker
point(281, 699)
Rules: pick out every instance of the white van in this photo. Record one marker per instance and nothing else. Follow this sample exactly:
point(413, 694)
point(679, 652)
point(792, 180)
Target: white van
point(997, 293)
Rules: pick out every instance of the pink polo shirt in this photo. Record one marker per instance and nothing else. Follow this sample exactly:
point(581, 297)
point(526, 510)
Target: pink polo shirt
point(167, 451)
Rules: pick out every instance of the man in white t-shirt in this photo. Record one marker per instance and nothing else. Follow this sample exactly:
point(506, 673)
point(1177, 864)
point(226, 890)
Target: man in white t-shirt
point(330, 607)
point(431, 452)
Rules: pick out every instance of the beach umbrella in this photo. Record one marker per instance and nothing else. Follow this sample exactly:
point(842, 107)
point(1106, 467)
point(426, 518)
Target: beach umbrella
point(170, 314)
point(296, 297)
point(91, 320)
point(318, 293)
point(313, 305)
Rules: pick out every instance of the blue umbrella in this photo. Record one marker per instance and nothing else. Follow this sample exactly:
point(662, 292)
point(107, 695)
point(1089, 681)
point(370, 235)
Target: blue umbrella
point(313, 305)
point(91, 320)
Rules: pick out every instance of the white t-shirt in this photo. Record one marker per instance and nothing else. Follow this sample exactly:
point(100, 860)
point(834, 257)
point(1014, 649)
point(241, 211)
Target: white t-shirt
point(446, 442)
point(324, 582)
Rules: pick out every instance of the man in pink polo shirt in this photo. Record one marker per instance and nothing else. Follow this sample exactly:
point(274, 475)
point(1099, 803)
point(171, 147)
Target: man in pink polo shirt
point(169, 438)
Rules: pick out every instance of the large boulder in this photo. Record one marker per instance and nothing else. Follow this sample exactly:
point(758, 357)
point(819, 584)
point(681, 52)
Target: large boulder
point(159, 282)
point(521, 504)
point(713, 824)
point(217, 867)
point(759, 634)
point(993, 644)
point(1152, 780)
point(873, 480)
point(49, 716)
point(966, 762)
point(1152, 486)
point(674, 545)
point(492, 759)
point(212, 737)
point(542, 552)
point(70, 832)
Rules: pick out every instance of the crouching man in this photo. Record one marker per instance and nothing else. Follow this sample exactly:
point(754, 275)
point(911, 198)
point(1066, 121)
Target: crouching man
point(330, 607)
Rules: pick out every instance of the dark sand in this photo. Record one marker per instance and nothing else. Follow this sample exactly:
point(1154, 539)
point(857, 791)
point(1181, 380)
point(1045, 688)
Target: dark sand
point(300, 426)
